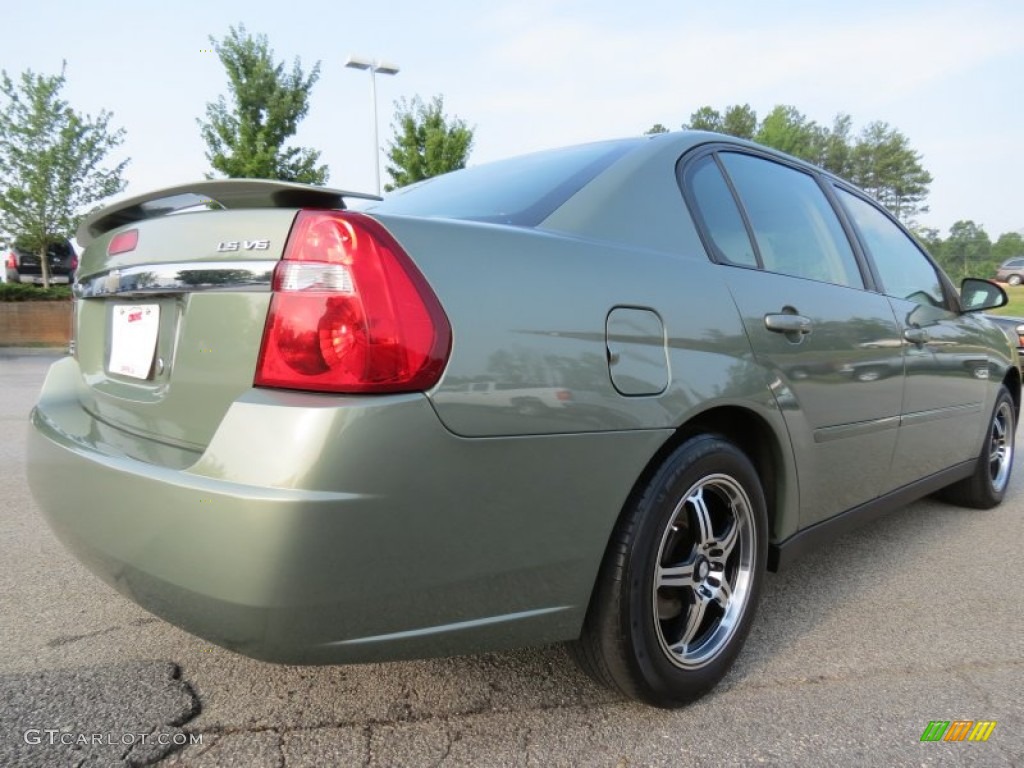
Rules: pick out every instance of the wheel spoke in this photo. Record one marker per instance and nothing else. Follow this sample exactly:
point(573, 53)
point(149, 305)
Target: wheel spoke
point(675, 576)
point(723, 592)
point(704, 533)
point(725, 545)
point(693, 620)
point(999, 430)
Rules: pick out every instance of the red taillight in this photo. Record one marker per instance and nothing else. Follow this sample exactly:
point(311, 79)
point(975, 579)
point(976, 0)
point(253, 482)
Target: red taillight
point(12, 260)
point(123, 242)
point(350, 312)
point(74, 262)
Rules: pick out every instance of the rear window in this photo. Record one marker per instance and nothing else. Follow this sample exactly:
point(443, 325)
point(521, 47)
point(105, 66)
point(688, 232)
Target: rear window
point(521, 191)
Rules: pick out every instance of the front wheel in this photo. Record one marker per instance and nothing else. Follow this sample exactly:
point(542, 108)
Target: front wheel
point(1014, 280)
point(680, 582)
point(986, 487)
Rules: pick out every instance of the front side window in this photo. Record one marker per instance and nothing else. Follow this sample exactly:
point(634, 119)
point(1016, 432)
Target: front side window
point(903, 268)
point(796, 230)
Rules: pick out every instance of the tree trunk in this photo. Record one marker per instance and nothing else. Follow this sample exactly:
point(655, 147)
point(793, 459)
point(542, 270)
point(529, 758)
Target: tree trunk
point(44, 264)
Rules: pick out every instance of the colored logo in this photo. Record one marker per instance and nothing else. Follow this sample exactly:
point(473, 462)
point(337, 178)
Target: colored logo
point(958, 730)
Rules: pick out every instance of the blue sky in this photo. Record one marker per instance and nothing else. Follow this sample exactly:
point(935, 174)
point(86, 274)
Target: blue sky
point(530, 75)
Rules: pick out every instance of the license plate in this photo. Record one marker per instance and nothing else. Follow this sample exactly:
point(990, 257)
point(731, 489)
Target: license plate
point(38, 279)
point(133, 333)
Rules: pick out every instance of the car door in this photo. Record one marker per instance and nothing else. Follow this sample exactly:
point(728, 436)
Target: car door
point(945, 351)
point(833, 347)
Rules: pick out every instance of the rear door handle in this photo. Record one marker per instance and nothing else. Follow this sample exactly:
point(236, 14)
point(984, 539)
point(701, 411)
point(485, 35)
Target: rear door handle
point(786, 323)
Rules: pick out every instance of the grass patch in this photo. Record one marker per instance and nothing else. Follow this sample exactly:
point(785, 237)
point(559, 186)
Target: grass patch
point(29, 292)
point(1016, 306)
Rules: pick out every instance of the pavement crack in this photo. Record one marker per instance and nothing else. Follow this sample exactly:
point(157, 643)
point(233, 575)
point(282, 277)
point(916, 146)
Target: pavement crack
point(449, 741)
point(195, 707)
point(280, 748)
point(60, 640)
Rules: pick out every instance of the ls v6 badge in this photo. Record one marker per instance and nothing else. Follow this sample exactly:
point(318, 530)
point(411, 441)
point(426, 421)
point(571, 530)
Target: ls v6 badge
point(243, 245)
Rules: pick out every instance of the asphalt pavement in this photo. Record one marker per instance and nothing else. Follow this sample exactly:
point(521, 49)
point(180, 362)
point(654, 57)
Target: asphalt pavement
point(856, 649)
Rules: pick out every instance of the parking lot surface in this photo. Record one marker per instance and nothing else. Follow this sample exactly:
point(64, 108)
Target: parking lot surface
point(857, 647)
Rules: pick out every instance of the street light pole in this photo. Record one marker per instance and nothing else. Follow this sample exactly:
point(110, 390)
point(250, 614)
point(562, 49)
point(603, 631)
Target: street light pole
point(385, 68)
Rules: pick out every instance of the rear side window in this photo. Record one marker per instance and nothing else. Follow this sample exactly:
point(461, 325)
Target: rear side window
point(717, 211)
point(522, 191)
point(796, 231)
point(903, 268)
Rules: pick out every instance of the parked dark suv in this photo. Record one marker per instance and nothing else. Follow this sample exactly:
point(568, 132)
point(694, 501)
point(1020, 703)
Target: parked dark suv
point(22, 265)
point(1011, 271)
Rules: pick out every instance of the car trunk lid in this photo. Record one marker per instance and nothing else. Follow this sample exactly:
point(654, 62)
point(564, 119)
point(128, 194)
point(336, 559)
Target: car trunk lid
point(172, 302)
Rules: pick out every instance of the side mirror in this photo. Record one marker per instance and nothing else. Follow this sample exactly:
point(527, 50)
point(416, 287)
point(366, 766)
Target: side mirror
point(977, 295)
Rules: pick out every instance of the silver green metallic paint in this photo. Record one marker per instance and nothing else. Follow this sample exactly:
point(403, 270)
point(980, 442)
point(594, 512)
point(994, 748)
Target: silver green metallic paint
point(314, 528)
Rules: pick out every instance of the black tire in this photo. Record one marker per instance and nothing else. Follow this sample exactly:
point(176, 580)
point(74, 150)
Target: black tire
point(987, 486)
point(1014, 280)
point(628, 641)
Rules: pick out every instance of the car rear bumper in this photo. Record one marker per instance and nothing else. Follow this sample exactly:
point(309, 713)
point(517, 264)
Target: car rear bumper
point(38, 279)
point(322, 529)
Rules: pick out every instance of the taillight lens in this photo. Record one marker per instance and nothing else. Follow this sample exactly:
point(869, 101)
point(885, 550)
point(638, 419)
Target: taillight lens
point(123, 242)
point(12, 260)
point(350, 312)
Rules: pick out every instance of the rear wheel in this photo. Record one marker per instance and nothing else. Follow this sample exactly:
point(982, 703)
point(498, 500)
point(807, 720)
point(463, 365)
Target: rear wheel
point(986, 487)
point(1014, 280)
point(679, 585)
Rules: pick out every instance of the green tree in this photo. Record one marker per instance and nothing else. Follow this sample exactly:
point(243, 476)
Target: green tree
point(787, 129)
point(740, 120)
point(884, 165)
point(656, 128)
point(52, 162)
point(705, 119)
point(246, 137)
point(1008, 245)
point(426, 143)
point(967, 251)
point(835, 146)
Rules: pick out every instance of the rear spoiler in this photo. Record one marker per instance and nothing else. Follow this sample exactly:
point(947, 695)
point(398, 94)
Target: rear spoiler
point(225, 193)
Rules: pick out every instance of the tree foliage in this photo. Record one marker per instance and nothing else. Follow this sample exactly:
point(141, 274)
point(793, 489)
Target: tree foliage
point(1008, 245)
point(885, 166)
point(967, 252)
point(426, 143)
point(52, 162)
point(879, 159)
point(246, 136)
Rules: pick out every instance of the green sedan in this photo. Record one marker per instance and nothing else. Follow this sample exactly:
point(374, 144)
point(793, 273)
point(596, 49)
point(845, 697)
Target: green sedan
point(588, 395)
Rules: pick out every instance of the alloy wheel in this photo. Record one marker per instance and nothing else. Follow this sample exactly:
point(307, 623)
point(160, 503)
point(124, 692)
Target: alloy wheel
point(704, 571)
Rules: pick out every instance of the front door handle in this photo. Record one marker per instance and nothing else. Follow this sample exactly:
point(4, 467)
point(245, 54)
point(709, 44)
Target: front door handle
point(916, 335)
point(789, 324)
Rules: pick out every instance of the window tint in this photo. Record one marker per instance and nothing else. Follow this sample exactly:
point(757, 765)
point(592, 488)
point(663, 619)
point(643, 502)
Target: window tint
point(903, 268)
point(796, 230)
point(718, 212)
point(521, 191)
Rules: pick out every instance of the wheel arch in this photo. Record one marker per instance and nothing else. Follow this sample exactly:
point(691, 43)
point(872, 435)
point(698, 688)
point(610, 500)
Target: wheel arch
point(759, 441)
